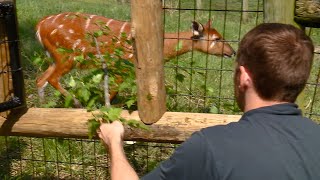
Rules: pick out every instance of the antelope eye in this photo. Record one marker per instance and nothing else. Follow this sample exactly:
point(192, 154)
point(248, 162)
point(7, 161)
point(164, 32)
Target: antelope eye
point(217, 39)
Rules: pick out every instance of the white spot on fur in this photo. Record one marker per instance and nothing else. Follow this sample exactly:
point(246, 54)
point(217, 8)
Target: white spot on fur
point(129, 36)
point(71, 31)
point(54, 31)
point(130, 56)
point(83, 49)
point(88, 21)
point(77, 42)
point(108, 23)
point(212, 44)
point(55, 18)
point(49, 17)
point(122, 28)
point(214, 37)
point(60, 26)
point(38, 35)
point(67, 38)
point(45, 84)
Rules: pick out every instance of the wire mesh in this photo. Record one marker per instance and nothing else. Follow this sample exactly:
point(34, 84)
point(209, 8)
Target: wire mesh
point(59, 158)
point(203, 82)
point(196, 82)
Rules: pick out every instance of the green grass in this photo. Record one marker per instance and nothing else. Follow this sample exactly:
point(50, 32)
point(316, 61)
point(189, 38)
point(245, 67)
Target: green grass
point(54, 158)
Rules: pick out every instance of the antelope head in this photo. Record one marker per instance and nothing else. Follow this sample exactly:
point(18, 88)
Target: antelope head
point(209, 40)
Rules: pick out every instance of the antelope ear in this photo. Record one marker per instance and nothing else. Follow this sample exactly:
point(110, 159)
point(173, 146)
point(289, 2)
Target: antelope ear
point(197, 30)
point(209, 23)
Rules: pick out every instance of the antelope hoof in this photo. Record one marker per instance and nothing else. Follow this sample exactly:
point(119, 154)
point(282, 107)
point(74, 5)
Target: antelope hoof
point(77, 103)
point(41, 95)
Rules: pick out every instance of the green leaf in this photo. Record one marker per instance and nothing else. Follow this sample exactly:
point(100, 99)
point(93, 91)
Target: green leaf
point(118, 51)
point(136, 124)
point(92, 101)
point(180, 77)
point(104, 110)
point(72, 82)
point(98, 33)
point(210, 90)
point(144, 127)
point(97, 78)
point(80, 59)
point(57, 93)
point(50, 104)
point(85, 94)
point(68, 101)
point(114, 113)
point(37, 61)
point(93, 126)
point(64, 50)
point(130, 103)
point(214, 109)
point(123, 35)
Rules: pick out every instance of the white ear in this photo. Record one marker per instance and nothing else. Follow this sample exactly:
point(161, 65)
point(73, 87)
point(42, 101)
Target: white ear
point(197, 28)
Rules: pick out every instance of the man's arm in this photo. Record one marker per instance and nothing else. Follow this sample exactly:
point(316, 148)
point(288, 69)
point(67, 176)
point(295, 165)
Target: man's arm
point(112, 135)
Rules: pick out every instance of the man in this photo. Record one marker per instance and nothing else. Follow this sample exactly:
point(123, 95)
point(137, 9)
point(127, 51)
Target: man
point(271, 141)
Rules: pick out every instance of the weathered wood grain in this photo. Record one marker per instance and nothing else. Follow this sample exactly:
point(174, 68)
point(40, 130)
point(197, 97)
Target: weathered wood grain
point(72, 123)
point(147, 26)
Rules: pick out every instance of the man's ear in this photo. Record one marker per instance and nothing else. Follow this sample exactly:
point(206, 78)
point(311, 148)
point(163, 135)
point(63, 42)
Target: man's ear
point(197, 30)
point(245, 78)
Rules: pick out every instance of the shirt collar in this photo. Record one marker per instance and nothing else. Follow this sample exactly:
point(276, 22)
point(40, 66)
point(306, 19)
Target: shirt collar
point(278, 109)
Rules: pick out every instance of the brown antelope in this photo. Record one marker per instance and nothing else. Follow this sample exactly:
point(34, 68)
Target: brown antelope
point(68, 30)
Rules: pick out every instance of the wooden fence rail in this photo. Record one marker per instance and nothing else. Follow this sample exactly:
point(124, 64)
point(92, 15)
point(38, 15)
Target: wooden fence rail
point(173, 127)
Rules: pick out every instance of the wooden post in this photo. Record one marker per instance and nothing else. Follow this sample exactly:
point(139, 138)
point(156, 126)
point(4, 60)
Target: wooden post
point(147, 30)
point(282, 11)
point(279, 11)
point(199, 4)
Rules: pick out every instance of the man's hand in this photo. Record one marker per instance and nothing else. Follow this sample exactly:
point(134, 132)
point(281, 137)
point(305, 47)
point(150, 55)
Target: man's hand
point(112, 133)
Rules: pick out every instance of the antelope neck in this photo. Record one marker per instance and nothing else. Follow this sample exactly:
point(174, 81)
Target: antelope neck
point(177, 44)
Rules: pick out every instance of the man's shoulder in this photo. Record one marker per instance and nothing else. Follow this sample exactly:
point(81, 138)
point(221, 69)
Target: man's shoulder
point(233, 128)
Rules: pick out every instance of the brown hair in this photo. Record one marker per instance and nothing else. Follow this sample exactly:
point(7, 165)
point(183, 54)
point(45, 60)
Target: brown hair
point(279, 59)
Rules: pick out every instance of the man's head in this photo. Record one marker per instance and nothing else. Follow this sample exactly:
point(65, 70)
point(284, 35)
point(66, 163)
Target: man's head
point(277, 58)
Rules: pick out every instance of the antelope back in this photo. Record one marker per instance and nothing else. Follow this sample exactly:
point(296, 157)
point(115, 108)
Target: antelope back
point(69, 30)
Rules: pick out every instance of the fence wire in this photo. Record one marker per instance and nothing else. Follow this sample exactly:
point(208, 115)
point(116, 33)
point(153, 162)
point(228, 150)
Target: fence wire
point(196, 82)
point(60, 158)
point(202, 82)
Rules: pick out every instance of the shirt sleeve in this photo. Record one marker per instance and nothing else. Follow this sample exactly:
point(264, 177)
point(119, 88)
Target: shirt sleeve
point(191, 160)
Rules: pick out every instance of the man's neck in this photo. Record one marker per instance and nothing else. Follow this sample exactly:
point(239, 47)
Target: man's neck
point(253, 101)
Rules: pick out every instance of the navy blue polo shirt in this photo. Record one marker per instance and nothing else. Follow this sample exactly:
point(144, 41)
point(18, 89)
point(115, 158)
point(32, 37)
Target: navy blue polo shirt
point(273, 142)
